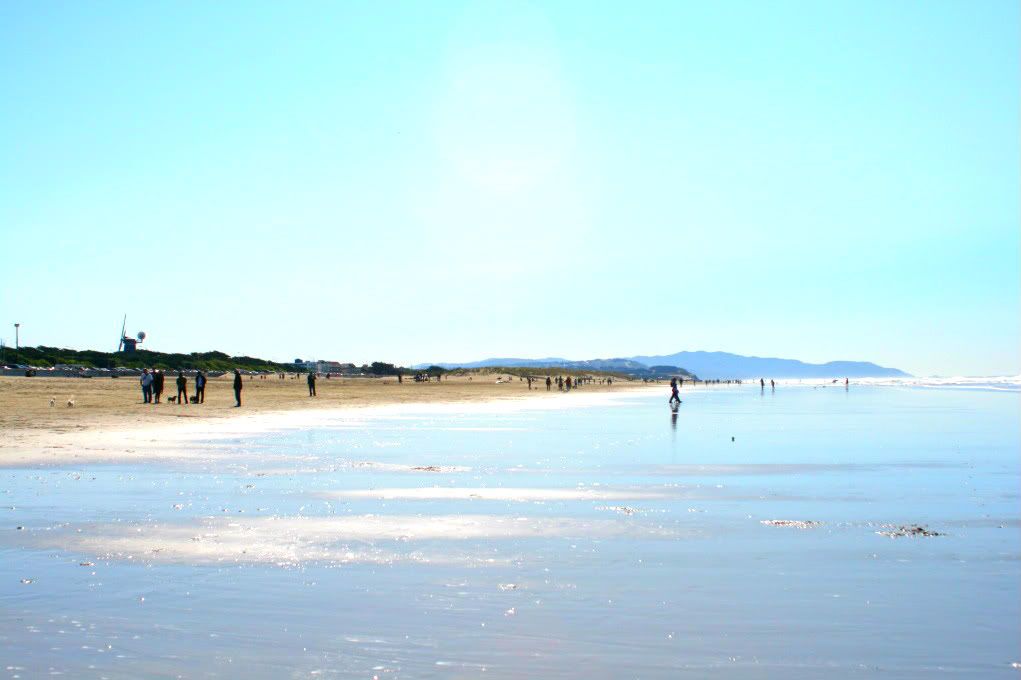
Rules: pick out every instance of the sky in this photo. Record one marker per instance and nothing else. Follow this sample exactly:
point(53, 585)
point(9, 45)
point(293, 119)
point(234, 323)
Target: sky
point(446, 181)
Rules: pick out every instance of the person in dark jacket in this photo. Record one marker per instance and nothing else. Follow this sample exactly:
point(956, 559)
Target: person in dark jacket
point(157, 384)
point(182, 388)
point(200, 387)
point(312, 383)
point(237, 387)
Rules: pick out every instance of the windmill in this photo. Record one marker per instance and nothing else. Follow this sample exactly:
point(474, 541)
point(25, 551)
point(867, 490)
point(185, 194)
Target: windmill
point(127, 344)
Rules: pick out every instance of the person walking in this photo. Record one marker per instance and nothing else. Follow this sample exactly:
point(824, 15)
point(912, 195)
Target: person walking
point(237, 387)
point(312, 383)
point(675, 396)
point(182, 388)
point(200, 387)
point(146, 381)
point(549, 383)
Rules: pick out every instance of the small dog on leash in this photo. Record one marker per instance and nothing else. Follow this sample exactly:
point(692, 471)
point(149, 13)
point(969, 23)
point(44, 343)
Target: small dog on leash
point(171, 400)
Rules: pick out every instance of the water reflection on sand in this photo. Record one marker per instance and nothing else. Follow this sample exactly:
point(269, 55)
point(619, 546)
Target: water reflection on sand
point(751, 540)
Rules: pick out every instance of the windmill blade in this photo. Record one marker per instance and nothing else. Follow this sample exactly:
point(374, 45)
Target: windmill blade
point(124, 325)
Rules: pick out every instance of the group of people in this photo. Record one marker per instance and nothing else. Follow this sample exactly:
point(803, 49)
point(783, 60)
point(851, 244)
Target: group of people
point(153, 381)
point(566, 384)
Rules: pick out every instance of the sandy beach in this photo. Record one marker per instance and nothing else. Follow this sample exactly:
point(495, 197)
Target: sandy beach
point(108, 421)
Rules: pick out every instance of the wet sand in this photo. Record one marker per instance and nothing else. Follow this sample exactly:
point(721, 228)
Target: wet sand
point(803, 534)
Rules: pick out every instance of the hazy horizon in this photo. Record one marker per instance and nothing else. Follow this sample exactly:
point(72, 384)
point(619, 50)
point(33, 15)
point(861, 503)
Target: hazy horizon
point(455, 181)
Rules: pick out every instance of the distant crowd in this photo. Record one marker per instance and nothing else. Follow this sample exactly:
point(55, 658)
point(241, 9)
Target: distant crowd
point(154, 383)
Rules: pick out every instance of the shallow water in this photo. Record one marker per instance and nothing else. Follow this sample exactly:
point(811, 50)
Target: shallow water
point(606, 541)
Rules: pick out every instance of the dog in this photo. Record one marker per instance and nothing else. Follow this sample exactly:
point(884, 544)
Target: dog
point(193, 400)
point(70, 402)
point(171, 400)
point(53, 402)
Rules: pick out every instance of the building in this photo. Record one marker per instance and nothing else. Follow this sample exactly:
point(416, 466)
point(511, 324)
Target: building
point(326, 367)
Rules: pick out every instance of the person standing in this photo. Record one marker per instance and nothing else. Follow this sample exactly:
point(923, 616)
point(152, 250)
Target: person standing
point(312, 383)
point(182, 388)
point(157, 384)
point(549, 383)
point(237, 387)
point(200, 387)
point(146, 381)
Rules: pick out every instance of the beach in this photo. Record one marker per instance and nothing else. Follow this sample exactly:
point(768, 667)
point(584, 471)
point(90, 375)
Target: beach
point(803, 532)
point(109, 422)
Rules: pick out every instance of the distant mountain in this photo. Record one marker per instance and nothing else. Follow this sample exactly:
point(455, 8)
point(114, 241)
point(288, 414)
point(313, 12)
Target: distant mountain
point(617, 365)
point(726, 366)
point(706, 365)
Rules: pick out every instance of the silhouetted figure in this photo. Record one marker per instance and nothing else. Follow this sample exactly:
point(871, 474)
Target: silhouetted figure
point(567, 383)
point(146, 382)
point(549, 383)
point(312, 383)
point(182, 388)
point(159, 382)
point(675, 396)
point(772, 384)
point(762, 384)
point(529, 383)
point(238, 384)
point(200, 387)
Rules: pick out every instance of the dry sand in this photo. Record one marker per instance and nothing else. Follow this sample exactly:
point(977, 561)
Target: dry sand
point(108, 421)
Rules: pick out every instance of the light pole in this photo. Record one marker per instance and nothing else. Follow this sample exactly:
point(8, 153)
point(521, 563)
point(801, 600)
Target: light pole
point(16, 327)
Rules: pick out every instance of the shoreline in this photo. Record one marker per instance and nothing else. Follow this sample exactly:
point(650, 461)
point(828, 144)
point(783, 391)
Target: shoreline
point(63, 436)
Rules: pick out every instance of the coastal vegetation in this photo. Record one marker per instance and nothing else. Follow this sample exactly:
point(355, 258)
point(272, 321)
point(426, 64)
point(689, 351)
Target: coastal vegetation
point(46, 357)
point(50, 357)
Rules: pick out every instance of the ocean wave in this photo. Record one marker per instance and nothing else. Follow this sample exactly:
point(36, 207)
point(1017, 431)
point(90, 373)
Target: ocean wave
point(996, 383)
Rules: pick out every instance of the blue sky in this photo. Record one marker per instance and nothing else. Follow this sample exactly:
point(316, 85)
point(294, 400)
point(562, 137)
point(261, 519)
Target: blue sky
point(447, 181)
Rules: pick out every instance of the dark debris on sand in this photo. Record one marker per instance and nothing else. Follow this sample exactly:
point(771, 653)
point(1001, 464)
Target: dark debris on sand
point(912, 530)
